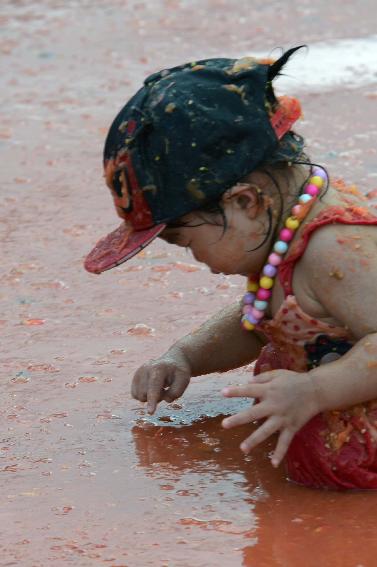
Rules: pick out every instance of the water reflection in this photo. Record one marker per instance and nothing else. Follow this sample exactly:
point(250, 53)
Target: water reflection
point(274, 522)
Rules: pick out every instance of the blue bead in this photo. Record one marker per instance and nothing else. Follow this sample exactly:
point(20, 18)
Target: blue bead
point(260, 305)
point(305, 198)
point(280, 247)
point(251, 319)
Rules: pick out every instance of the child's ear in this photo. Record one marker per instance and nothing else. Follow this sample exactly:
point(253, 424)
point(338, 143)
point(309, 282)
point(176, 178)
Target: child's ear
point(245, 196)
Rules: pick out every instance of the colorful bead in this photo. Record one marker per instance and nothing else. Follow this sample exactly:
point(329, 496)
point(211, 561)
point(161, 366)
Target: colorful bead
point(297, 210)
point(280, 247)
point(317, 181)
point(319, 172)
point(255, 301)
point(252, 286)
point(312, 190)
point(292, 223)
point(249, 298)
point(269, 270)
point(257, 314)
point(261, 305)
point(274, 259)
point(263, 294)
point(247, 309)
point(305, 198)
point(266, 282)
point(251, 319)
point(247, 325)
point(286, 234)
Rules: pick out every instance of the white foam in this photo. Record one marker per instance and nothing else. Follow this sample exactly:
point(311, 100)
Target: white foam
point(324, 66)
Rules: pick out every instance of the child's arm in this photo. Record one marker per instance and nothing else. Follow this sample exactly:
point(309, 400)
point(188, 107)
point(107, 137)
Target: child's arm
point(341, 266)
point(343, 269)
point(288, 400)
point(350, 380)
point(218, 345)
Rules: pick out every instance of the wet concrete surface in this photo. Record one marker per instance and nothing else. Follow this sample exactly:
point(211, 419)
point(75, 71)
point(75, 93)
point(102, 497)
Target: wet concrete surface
point(86, 477)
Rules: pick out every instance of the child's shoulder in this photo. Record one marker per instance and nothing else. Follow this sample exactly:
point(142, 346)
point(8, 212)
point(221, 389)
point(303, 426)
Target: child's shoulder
point(339, 266)
point(343, 234)
point(343, 224)
point(348, 199)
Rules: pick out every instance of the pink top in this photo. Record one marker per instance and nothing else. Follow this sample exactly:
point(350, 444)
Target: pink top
point(292, 333)
point(336, 449)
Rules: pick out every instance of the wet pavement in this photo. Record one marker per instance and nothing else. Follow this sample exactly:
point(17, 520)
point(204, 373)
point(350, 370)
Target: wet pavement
point(86, 477)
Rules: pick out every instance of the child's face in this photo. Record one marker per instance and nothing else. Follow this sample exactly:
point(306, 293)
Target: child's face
point(229, 252)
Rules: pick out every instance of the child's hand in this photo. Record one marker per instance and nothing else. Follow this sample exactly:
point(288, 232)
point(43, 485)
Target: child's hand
point(287, 400)
point(165, 378)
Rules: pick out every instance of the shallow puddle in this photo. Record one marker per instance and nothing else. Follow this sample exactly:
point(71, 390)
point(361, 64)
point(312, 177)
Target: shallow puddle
point(86, 477)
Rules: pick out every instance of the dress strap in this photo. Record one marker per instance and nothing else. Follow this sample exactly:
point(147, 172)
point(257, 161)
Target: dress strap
point(352, 215)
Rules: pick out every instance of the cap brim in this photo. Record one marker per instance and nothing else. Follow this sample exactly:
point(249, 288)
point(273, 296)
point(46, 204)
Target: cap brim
point(118, 247)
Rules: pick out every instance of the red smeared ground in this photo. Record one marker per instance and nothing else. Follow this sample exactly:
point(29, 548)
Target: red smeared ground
point(86, 477)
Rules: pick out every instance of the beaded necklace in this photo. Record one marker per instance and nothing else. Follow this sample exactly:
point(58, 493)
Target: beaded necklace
point(256, 299)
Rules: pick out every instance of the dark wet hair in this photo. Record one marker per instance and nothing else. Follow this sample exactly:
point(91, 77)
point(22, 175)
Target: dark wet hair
point(215, 208)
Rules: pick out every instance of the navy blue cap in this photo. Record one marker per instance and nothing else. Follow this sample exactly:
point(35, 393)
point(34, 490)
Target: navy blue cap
point(188, 135)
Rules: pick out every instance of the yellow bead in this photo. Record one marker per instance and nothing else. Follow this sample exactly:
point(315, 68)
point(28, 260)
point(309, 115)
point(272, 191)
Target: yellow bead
point(292, 223)
point(317, 181)
point(266, 282)
point(247, 325)
point(252, 286)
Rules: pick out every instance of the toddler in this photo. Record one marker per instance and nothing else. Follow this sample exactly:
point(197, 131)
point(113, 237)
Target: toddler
point(204, 156)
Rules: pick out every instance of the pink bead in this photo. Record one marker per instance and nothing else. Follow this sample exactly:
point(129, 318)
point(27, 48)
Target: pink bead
point(247, 309)
point(257, 314)
point(274, 259)
point(311, 190)
point(263, 294)
point(296, 211)
point(286, 234)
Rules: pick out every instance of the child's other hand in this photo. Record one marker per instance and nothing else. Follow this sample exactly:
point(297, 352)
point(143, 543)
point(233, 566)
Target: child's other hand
point(165, 378)
point(286, 400)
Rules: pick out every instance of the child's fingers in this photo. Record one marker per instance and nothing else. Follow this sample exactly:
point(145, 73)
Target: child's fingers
point(247, 416)
point(262, 378)
point(139, 385)
point(156, 383)
point(283, 443)
point(245, 390)
point(263, 432)
point(177, 388)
